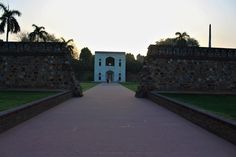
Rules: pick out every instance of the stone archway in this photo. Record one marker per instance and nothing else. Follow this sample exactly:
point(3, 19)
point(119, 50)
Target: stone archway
point(110, 76)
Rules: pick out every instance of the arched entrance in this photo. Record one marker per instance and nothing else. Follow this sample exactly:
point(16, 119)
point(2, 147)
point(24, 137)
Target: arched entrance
point(110, 76)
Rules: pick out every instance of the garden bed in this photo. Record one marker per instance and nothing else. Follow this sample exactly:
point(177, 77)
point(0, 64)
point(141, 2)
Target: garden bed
point(11, 117)
point(12, 99)
point(222, 105)
point(219, 125)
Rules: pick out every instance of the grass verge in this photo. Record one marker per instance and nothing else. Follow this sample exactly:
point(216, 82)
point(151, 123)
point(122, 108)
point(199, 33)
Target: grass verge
point(11, 99)
point(224, 105)
point(130, 85)
point(87, 85)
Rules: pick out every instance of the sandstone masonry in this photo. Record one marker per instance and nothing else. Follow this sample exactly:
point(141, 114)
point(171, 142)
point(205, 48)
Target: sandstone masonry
point(188, 69)
point(38, 66)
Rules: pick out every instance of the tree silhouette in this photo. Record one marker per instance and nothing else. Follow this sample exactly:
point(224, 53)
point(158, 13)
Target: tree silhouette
point(85, 55)
point(52, 38)
point(182, 38)
point(23, 37)
point(132, 65)
point(39, 34)
point(9, 21)
point(140, 58)
point(69, 44)
point(193, 42)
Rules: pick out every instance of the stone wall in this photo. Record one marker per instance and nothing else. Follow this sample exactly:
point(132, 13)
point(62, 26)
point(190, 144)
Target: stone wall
point(36, 65)
point(188, 69)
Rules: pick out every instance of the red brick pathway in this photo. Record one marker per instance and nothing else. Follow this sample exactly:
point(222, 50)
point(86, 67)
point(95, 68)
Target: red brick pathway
point(110, 122)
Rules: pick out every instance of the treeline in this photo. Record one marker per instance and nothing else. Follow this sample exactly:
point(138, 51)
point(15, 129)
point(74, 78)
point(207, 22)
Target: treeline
point(84, 65)
point(181, 40)
point(133, 66)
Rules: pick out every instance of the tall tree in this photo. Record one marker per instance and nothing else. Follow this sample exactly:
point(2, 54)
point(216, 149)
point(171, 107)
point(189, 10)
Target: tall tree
point(182, 38)
point(39, 34)
point(129, 57)
point(140, 58)
point(132, 65)
point(85, 55)
point(9, 21)
point(69, 44)
point(86, 59)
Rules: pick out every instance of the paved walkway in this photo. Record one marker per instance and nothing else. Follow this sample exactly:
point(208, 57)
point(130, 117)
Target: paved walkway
point(110, 122)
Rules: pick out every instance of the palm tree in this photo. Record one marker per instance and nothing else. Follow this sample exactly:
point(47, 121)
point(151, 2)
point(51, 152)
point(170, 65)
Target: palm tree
point(181, 39)
point(69, 44)
point(8, 20)
point(39, 34)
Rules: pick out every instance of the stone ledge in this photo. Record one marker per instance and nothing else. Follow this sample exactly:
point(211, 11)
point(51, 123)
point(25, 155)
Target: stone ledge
point(218, 125)
point(196, 53)
point(32, 47)
point(15, 116)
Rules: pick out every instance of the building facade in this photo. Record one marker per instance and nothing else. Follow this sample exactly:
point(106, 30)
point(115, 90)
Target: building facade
point(109, 66)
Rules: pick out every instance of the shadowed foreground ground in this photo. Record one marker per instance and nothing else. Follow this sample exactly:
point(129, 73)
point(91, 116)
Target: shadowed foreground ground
point(110, 122)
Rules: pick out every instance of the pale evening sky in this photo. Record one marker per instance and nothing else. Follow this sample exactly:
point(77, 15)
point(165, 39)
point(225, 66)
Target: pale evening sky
point(129, 25)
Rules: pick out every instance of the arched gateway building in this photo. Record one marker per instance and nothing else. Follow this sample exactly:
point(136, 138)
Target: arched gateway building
point(109, 66)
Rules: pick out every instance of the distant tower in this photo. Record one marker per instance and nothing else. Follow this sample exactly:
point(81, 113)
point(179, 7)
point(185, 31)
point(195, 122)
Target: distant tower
point(210, 36)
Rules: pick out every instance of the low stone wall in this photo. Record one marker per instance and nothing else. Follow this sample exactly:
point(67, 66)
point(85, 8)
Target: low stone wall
point(12, 117)
point(38, 66)
point(218, 125)
point(188, 69)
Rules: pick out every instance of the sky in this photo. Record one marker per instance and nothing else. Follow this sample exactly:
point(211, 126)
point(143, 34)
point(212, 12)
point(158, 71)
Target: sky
point(129, 25)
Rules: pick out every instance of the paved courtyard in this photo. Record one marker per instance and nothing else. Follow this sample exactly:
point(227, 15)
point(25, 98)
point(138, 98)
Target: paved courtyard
point(110, 122)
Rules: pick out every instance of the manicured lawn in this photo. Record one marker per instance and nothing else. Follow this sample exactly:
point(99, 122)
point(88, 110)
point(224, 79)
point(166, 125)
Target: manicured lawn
point(86, 85)
point(224, 105)
point(130, 85)
point(11, 99)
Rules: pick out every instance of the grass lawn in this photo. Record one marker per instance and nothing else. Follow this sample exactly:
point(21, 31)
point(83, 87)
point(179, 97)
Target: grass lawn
point(130, 85)
point(86, 85)
point(224, 105)
point(11, 99)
